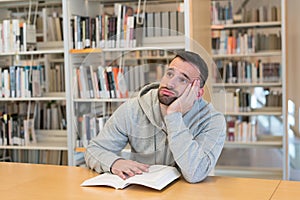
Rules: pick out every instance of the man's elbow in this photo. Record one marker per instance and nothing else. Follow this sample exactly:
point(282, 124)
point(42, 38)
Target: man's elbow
point(195, 178)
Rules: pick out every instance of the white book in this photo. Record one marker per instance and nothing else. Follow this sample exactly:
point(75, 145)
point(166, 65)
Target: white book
point(18, 81)
point(118, 12)
point(157, 24)
point(30, 137)
point(130, 32)
point(24, 47)
point(6, 83)
point(85, 93)
point(6, 32)
point(165, 20)
point(158, 177)
point(22, 83)
point(1, 39)
point(16, 35)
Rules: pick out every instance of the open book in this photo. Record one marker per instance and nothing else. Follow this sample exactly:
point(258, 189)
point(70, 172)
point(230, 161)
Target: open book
point(158, 177)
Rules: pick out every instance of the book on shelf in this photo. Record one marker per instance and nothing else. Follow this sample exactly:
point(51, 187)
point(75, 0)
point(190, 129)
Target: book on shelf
point(222, 12)
point(29, 131)
point(158, 177)
point(22, 81)
point(100, 82)
point(232, 71)
point(89, 126)
point(242, 129)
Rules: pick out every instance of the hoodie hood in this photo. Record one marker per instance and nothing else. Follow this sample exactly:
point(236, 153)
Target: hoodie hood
point(148, 101)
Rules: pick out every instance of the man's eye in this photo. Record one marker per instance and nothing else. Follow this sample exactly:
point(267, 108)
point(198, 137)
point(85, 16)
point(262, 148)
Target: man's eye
point(169, 74)
point(183, 80)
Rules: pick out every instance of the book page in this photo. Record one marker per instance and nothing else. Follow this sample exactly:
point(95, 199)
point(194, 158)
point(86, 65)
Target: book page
point(157, 178)
point(105, 179)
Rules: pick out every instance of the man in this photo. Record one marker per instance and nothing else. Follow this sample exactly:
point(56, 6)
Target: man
point(167, 123)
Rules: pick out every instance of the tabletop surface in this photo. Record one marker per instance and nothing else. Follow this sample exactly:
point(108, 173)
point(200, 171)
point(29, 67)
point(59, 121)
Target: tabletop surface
point(36, 181)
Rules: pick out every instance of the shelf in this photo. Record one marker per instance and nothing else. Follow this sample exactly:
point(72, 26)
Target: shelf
point(250, 172)
point(101, 100)
point(46, 140)
point(39, 146)
point(23, 53)
point(85, 51)
point(142, 48)
point(150, 58)
point(256, 54)
point(247, 25)
point(80, 149)
point(165, 43)
point(253, 113)
point(57, 96)
point(257, 144)
point(238, 85)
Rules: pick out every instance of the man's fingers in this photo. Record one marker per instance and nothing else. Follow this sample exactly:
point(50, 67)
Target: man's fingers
point(128, 168)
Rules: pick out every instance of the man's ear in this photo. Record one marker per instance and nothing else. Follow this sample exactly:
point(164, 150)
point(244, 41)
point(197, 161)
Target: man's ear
point(200, 93)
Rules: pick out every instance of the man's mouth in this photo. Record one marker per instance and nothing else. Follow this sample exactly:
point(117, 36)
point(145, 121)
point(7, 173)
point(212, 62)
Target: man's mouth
point(167, 92)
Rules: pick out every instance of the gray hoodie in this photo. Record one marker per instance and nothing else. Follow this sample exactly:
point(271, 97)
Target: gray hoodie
point(192, 142)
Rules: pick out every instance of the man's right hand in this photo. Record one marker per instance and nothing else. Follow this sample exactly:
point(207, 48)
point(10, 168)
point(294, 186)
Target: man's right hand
point(128, 168)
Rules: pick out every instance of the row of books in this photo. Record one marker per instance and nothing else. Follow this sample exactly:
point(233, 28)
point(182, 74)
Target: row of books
point(241, 131)
point(274, 98)
point(102, 32)
point(50, 115)
point(247, 72)
point(56, 78)
point(114, 81)
point(123, 28)
point(88, 127)
point(54, 25)
point(238, 42)
point(19, 35)
point(22, 81)
point(222, 13)
point(166, 24)
point(15, 35)
point(30, 81)
point(19, 120)
point(246, 100)
point(99, 82)
point(16, 129)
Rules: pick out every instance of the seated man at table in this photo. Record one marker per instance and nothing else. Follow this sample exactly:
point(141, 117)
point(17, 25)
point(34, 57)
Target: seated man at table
point(168, 123)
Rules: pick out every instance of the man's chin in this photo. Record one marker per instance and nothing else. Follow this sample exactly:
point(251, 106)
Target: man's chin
point(166, 100)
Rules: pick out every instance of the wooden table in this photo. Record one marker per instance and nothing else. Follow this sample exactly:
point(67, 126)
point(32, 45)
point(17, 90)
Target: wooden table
point(287, 190)
point(36, 181)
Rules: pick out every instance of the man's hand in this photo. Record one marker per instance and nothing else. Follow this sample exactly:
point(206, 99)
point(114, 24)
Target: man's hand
point(185, 102)
point(128, 168)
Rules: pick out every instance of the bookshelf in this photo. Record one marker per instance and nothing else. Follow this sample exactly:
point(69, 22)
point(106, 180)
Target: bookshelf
point(33, 101)
point(140, 60)
point(250, 40)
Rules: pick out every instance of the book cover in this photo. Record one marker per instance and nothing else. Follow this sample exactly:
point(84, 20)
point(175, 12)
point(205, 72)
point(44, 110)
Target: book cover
point(158, 177)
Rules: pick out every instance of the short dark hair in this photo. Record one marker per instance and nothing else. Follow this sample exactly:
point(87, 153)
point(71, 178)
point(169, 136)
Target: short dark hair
point(196, 60)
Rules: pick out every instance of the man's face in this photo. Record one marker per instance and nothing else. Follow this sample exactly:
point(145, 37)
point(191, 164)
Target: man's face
point(177, 77)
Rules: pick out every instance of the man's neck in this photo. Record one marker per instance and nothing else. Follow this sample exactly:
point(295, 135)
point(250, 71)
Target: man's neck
point(163, 109)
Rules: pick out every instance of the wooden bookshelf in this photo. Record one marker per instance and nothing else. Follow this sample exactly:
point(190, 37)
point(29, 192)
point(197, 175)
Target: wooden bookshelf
point(226, 58)
point(85, 51)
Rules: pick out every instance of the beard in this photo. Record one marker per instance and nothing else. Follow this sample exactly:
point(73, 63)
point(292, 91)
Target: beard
point(166, 99)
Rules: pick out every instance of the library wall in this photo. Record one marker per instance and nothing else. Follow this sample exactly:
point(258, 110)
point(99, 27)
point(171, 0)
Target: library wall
point(293, 59)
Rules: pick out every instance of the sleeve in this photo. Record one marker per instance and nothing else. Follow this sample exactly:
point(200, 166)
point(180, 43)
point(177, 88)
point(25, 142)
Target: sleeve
point(201, 150)
point(104, 149)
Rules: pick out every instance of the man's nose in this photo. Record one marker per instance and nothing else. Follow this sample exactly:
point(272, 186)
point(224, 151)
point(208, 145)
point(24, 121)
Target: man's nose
point(172, 82)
